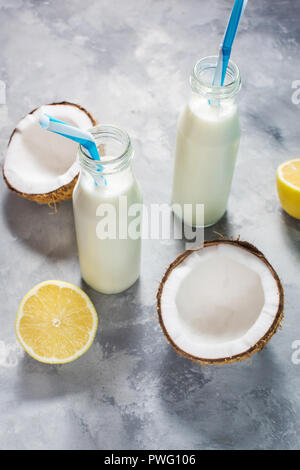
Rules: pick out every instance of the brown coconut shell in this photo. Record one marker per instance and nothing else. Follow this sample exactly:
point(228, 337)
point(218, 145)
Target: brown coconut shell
point(60, 194)
point(256, 347)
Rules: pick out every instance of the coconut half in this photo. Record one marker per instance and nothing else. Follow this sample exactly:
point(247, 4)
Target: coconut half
point(221, 303)
point(42, 166)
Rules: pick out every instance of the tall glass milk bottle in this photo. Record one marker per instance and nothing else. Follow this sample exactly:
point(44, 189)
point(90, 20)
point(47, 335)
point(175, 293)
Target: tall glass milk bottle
point(107, 203)
point(207, 143)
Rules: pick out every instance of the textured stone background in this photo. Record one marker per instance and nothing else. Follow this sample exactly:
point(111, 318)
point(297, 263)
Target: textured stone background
point(129, 63)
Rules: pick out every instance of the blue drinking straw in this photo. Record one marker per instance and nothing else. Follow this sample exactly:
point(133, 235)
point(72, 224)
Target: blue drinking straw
point(84, 138)
point(225, 49)
point(74, 133)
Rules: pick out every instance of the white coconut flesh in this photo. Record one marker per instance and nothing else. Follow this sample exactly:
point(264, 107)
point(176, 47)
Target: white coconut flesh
point(219, 302)
point(38, 161)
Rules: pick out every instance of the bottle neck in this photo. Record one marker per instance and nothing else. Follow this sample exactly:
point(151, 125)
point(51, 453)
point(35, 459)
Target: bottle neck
point(115, 151)
point(202, 78)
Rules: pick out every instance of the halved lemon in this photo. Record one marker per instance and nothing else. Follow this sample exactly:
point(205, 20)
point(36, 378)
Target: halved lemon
point(288, 186)
point(56, 322)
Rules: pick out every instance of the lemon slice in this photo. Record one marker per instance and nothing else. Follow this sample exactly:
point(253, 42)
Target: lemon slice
point(56, 322)
point(288, 186)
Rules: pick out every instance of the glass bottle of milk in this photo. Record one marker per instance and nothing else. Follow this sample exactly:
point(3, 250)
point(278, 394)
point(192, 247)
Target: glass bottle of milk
point(107, 203)
point(207, 142)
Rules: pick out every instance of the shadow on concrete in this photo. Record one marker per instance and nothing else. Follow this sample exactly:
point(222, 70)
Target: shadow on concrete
point(44, 230)
point(228, 406)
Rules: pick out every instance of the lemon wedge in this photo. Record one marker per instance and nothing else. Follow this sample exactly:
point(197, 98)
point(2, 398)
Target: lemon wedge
point(56, 322)
point(288, 186)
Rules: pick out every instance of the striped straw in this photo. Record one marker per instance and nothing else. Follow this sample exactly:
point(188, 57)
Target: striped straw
point(74, 133)
point(225, 48)
point(84, 138)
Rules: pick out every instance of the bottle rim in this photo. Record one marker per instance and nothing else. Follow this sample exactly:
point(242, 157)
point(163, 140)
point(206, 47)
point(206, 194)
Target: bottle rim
point(104, 133)
point(203, 87)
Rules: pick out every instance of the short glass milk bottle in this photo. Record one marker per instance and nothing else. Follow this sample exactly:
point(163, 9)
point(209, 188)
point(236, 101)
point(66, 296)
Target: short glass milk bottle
point(107, 203)
point(207, 142)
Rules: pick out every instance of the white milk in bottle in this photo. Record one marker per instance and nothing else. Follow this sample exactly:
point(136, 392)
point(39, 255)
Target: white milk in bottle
point(107, 203)
point(207, 142)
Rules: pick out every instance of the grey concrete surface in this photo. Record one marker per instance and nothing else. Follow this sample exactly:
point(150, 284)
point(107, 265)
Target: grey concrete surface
point(129, 63)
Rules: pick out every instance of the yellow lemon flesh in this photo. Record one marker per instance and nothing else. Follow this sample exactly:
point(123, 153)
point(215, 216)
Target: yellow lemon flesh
point(288, 186)
point(56, 322)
